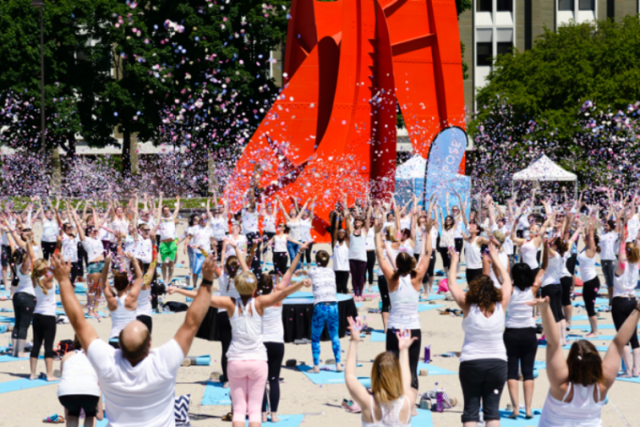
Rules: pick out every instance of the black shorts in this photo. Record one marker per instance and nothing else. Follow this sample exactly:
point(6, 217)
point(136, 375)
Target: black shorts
point(47, 249)
point(76, 270)
point(6, 255)
point(76, 402)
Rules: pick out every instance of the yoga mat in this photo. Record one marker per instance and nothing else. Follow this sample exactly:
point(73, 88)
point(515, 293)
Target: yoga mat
point(586, 328)
point(505, 421)
point(378, 336)
point(629, 380)
point(584, 317)
point(539, 364)
point(8, 358)
point(598, 301)
point(214, 394)
point(328, 377)
point(7, 319)
point(434, 370)
point(432, 297)
point(427, 307)
point(423, 419)
point(359, 304)
point(103, 423)
point(285, 421)
point(23, 384)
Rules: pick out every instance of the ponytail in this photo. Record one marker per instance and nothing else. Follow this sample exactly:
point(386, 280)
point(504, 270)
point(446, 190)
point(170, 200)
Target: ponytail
point(40, 267)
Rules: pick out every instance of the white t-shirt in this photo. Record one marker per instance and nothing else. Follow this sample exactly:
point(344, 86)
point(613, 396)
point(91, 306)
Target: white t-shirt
point(144, 395)
point(167, 229)
point(201, 237)
point(121, 226)
point(70, 248)
point(218, 227)
point(143, 250)
point(5, 236)
point(241, 242)
point(633, 225)
point(323, 280)
point(249, 222)
point(269, 223)
point(50, 230)
point(93, 247)
point(305, 230)
point(608, 245)
point(341, 257)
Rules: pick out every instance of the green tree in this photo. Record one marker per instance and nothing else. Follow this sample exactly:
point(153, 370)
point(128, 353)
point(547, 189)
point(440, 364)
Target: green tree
point(597, 62)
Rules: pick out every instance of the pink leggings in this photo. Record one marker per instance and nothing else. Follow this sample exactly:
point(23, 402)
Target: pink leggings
point(247, 380)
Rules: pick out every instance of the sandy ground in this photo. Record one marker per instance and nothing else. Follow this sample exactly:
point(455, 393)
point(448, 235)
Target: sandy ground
point(320, 404)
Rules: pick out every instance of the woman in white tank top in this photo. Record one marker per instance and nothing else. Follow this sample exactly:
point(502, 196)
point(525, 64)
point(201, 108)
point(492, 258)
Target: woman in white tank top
point(590, 281)
point(483, 363)
point(390, 406)
point(520, 337)
point(576, 395)
point(529, 247)
point(44, 317)
point(247, 365)
point(404, 285)
point(357, 243)
point(124, 304)
point(472, 254)
point(551, 286)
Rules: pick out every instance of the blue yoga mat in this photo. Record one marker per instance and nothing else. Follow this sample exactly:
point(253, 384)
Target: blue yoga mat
point(423, 419)
point(586, 328)
point(432, 297)
point(8, 358)
point(598, 301)
point(102, 423)
point(6, 319)
point(581, 317)
point(23, 384)
point(329, 377)
point(285, 421)
point(378, 336)
point(427, 307)
point(434, 370)
point(214, 394)
point(359, 304)
point(629, 380)
point(505, 421)
point(539, 364)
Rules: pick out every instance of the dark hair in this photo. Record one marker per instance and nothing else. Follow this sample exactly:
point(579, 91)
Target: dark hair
point(406, 264)
point(17, 257)
point(585, 364)
point(448, 227)
point(77, 344)
point(138, 353)
point(483, 293)
point(522, 275)
point(561, 245)
point(406, 233)
point(120, 281)
point(322, 258)
point(192, 217)
point(596, 240)
point(265, 284)
point(231, 267)
point(612, 224)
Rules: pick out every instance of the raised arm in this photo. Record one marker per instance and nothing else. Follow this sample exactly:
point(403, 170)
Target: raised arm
point(85, 332)
point(284, 211)
point(198, 309)
point(557, 370)
point(176, 212)
point(611, 361)
point(507, 287)
point(277, 296)
point(357, 391)
point(112, 303)
point(452, 281)
point(385, 266)
point(132, 297)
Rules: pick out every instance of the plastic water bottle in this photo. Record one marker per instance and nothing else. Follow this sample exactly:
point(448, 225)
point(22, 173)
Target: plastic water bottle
point(427, 354)
point(439, 400)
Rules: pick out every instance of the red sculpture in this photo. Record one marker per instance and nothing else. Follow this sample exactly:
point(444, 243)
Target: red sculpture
point(348, 63)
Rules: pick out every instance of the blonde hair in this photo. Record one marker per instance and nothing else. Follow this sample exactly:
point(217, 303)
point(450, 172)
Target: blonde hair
point(633, 253)
point(391, 234)
point(246, 283)
point(386, 378)
point(40, 267)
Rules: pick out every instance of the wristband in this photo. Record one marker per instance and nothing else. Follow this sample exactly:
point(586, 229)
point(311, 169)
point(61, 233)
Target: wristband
point(206, 282)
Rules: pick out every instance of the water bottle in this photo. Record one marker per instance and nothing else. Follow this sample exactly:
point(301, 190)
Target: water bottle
point(427, 354)
point(439, 400)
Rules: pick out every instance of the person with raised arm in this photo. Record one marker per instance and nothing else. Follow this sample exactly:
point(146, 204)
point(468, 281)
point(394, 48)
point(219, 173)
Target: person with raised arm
point(247, 355)
point(390, 402)
point(578, 385)
point(95, 255)
point(138, 383)
point(483, 362)
point(624, 299)
point(590, 280)
point(357, 243)
point(168, 248)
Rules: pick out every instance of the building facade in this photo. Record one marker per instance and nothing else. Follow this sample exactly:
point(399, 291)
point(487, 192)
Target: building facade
point(493, 27)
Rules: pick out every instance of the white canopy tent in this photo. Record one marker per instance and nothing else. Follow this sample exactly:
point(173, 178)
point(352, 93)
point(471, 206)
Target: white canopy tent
point(544, 169)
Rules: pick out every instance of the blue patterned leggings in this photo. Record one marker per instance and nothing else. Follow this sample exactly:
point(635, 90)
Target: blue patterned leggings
point(325, 313)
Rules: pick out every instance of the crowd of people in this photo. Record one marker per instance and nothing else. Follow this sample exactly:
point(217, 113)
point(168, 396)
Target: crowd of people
point(521, 261)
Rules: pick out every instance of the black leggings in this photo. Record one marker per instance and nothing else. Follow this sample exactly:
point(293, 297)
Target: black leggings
point(621, 308)
point(589, 294)
point(432, 262)
point(371, 262)
point(75, 402)
point(147, 320)
point(384, 293)
point(306, 255)
point(554, 292)
point(23, 306)
point(342, 278)
point(280, 262)
point(224, 328)
point(44, 329)
point(522, 346)
point(275, 354)
point(444, 254)
point(414, 352)
point(156, 288)
point(47, 249)
point(482, 380)
point(566, 283)
point(472, 273)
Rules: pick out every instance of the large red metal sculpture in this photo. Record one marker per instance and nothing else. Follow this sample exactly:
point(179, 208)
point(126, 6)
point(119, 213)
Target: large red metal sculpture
point(348, 63)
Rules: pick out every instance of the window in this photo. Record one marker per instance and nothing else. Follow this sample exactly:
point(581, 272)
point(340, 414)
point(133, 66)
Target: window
point(505, 6)
point(484, 5)
point(484, 53)
point(586, 5)
point(565, 5)
point(504, 47)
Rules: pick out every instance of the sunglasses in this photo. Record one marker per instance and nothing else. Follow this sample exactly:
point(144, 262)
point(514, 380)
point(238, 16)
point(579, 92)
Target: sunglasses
point(146, 230)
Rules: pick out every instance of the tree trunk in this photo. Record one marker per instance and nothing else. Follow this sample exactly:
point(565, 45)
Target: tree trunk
point(133, 153)
point(126, 154)
point(213, 180)
point(56, 171)
point(71, 153)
